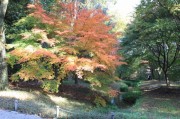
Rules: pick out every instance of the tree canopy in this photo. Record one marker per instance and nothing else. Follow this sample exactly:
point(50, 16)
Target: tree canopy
point(50, 45)
point(154, 35)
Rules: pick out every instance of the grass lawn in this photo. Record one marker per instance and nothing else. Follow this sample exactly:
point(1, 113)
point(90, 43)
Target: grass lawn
point(156, 104)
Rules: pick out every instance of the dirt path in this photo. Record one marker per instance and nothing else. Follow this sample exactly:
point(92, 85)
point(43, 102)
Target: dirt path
point(5, 114)
point(155, 84)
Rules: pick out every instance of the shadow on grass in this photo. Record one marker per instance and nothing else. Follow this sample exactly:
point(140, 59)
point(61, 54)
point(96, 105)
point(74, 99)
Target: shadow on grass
point(37, 102)
point(161, 103)
point(30, 103)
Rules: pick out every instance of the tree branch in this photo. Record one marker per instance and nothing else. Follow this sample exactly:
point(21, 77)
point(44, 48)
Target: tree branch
point(175, 55)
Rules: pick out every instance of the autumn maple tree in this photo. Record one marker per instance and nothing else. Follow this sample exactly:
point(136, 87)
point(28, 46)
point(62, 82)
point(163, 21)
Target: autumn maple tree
point(66, 40)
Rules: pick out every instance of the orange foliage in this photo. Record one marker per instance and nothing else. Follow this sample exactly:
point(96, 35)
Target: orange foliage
point(90, 44)
point(26, 55)
point(93, 35)
point(40, 13)
point(89, 33)
point(44, 38)
point(113, 93)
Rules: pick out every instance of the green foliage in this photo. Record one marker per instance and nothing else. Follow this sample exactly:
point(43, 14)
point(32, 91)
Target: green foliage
point(123, 87)
point(174, 74)
point(153, 36)
point(175, 10)
point(26, 23)
point(99, 101)
point(99, 80)
point(47, 4)
point(131, 96)
point(128, 82)
point(15, 78)
point(96, 3)
point(105, 110)
point(51, 86)
point(20, 29)
point(132, 83)
point(120, 25)
point(16, 10)
point(12, 60)
point(25, 40)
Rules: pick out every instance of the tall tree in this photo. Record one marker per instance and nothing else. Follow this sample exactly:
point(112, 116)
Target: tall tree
point(3, 65)
point(53, 47)
point(155, 34)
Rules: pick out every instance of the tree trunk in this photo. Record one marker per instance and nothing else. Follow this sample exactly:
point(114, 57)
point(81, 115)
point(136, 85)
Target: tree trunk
point(152, 73)
point(159, 74)
point(75, 14)
point(3, 64)
point(166, 79)
point(76, 80)
point(55, 69)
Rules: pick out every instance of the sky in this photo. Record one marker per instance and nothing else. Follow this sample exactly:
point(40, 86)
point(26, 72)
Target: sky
point(124, 8)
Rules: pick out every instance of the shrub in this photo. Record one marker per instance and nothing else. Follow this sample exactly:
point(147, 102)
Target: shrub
point(123, 87)
point(99, 101)
point(131, 96)
point(132, 83)
point(127, 82)
point(50, 86)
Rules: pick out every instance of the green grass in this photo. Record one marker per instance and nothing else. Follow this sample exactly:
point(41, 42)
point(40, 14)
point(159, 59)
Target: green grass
point(154, 108)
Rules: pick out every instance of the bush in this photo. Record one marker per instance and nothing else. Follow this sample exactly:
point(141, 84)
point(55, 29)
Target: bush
point(131, 96)
point(132, 83)
point(99, 101)
point(123, 87)
point(51, 86)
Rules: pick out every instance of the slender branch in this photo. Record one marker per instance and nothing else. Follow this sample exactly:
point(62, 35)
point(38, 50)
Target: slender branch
point(157, 56)
point(161, 4)
point(175, 56)
point(164, 57)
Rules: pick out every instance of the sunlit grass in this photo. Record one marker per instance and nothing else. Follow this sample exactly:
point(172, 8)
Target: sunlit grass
point(35, 102)
point(13, 94)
